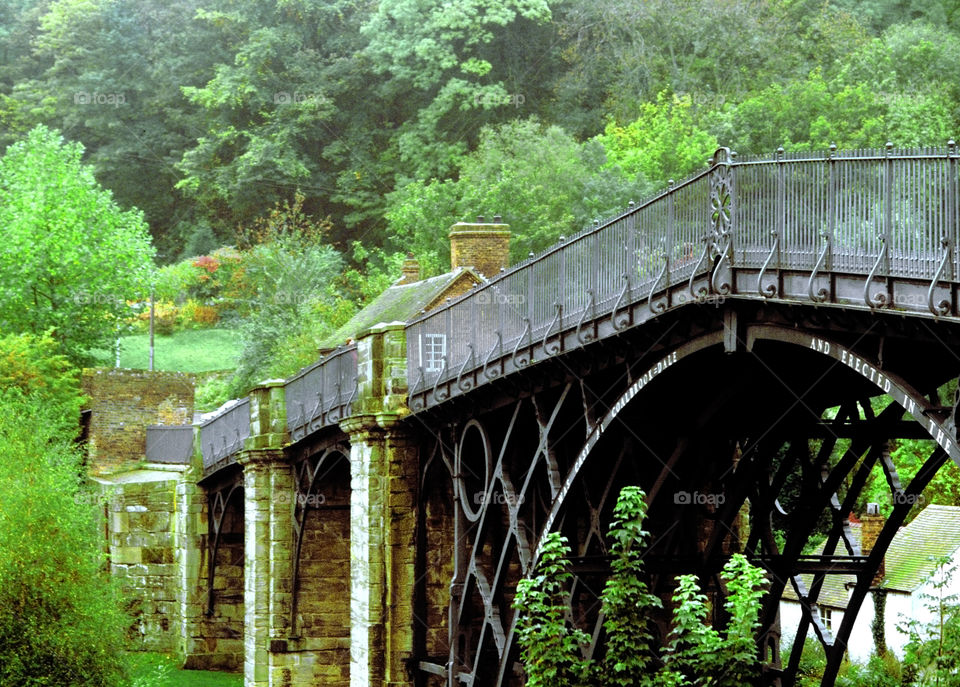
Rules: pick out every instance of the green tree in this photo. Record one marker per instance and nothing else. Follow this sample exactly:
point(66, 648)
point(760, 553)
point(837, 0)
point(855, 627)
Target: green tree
point(696, 656)
point(289, 274)
point(933, 652)
point(60, 622)
point(663, 143)
point(70, 258)
point(506, 175)
point(628, 605)
point(444, 68)
point(109, 73)
point(550, 648)
point(31, 365)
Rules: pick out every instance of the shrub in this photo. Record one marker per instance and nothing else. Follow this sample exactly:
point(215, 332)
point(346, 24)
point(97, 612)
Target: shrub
point(60, 622)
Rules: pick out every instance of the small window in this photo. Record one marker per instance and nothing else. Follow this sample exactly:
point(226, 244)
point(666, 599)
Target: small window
point(434, 350)
point(826, 618)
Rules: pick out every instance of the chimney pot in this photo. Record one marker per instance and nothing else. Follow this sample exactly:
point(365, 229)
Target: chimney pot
point(482, 246)
point(410, 270)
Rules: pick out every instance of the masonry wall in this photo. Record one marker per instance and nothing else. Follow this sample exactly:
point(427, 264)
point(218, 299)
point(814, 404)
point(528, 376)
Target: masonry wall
point(324, 586)
point(140, 526)
point(485, 247)
point(215, 641)
point(122, 403)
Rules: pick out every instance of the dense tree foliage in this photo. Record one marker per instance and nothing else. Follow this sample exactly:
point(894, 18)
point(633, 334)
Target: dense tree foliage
point(60, 618)
point(205, 113)
point(70, 258)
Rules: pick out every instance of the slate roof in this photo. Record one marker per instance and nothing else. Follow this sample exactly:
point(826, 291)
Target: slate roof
point(833, 593)
point(915, 549)
point(399, 303)
point(910, 561)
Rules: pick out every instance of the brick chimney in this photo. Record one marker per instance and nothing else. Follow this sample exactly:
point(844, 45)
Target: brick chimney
point(411, 270)
point(484, 246)
point(870, 529)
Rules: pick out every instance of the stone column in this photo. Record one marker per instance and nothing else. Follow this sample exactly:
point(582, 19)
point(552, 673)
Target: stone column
point(268, 564)
point(189, 532)
point(384, 472)
point(268, 483)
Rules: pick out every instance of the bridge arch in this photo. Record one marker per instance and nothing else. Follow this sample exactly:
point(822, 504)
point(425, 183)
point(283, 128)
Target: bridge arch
point(545, 486)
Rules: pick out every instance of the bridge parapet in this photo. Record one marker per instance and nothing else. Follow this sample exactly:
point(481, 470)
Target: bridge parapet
point(222, 437)
point(867, 229)
point(321, 395)
point(170, 444)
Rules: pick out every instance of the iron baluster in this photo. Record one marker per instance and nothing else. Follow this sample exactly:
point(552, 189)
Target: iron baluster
point(618, 324)
point(770, 290)
point(821, 295)
point(523, 362)
point(590, 307)
point(436, 392)
point(943, 307)
point(554, 348)
point(660, 306)
point(465, 384)
point(880, 299)
point(491, 373)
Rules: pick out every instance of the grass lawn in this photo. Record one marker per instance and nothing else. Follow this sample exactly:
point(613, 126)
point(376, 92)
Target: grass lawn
point(157, 670)
point(191, 350)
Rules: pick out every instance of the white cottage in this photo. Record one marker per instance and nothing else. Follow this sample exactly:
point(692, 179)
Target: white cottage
point(908, 575)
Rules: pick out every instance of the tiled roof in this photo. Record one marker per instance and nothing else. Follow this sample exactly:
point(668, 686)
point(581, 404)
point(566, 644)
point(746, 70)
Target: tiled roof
point(915, 550)
point(399, 303)
point(834, 592)
point(912, 558)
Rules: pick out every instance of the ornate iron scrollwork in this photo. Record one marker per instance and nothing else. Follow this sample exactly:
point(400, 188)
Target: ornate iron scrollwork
point(588, 336)
point(721, 222)
point(702, 293)
point(441, 394)
point(880, 299)
point(465, 384)
point(660, 306)
point(770, 290)
point(554, 348)
point(488, 372)
point(821, 295)
point(943, 307)
point(522, 362)
point(618, 324)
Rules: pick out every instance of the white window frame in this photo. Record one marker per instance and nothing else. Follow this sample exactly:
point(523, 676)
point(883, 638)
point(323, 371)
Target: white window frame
point(434, 352)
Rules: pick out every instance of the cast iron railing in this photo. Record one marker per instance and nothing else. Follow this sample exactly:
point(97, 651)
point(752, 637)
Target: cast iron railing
point(320, 395)
point(221, 437)
point(789, 226)
point(169, 444)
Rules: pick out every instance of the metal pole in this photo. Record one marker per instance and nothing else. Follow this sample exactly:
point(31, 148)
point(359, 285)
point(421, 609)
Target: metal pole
point(151, 332)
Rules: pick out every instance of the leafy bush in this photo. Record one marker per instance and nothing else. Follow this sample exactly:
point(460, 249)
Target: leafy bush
point(60, 622)
point(30, 365)
point(697, 655)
